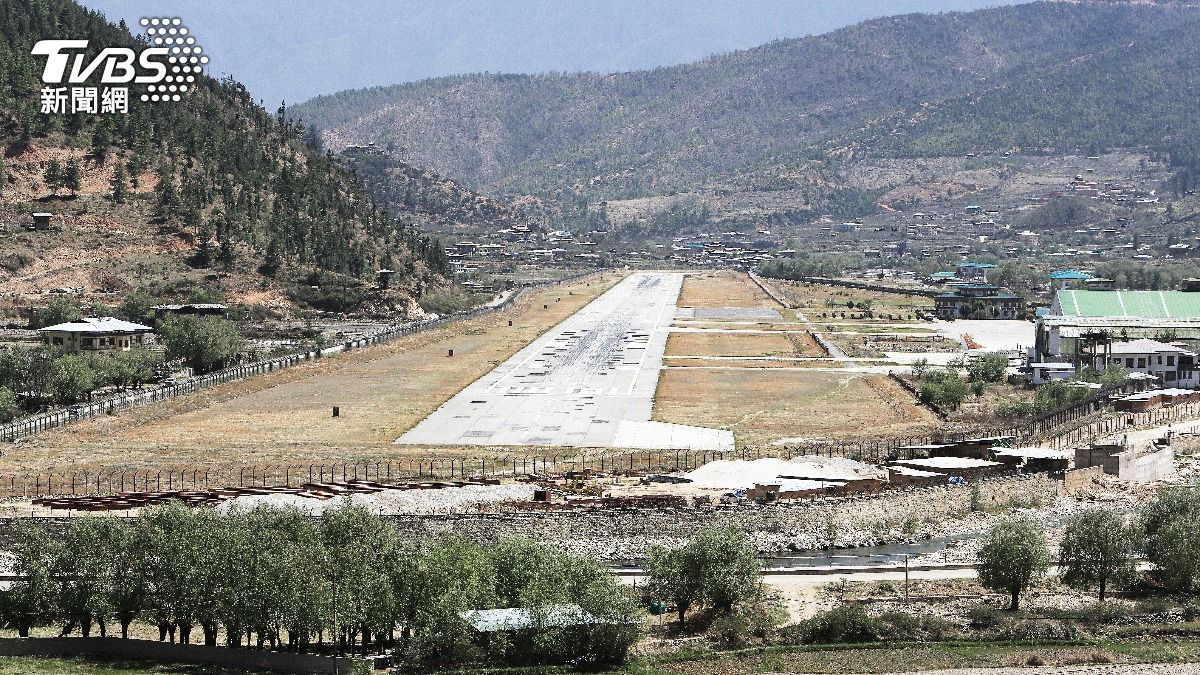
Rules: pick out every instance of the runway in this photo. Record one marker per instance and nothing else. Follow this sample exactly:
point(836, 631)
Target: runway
point(588, 382)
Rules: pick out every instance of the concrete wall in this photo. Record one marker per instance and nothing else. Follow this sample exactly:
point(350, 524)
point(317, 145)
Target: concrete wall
point(1143, 466)
point(151, 650)
point(626, 534)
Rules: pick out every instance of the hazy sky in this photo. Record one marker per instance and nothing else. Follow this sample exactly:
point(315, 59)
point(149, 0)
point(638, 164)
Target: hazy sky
point(296, 50)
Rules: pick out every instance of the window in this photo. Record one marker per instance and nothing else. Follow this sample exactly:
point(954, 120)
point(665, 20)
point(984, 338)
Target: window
point(1169, 375)
point(1170, 360)
point(1141, 363)
point(1160, 359)
point(56, 341)
point(85, 342)
point(1129, 362)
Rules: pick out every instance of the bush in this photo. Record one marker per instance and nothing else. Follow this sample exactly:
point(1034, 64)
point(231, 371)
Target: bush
point(847, 624)
point(9, 406)
point(944, 388)
point(1031, 630)
point(748, 621)
point(1014, 409)
point(985, 616)
point(446, 302)
point(914, 628)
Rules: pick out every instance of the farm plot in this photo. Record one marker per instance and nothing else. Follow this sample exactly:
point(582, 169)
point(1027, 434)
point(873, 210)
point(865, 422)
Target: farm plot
point(285, 417)
point(761, 406)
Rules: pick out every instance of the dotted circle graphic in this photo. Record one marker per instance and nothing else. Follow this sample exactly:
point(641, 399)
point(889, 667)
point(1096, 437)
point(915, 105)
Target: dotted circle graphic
point(184, 54)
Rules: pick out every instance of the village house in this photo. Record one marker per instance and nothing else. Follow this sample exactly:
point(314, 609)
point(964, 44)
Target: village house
point(95, 334)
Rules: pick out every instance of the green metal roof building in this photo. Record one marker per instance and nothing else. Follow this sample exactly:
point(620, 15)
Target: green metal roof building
point(1129, 304)
point(1166, 316)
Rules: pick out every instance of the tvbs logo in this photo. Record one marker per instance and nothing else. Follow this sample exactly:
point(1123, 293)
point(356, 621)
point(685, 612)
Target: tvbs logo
point(167, 67)
point(118, 63)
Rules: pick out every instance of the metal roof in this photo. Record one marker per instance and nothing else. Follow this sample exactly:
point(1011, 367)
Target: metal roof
point(1133, 304)
point(1069, 275)
point(106, 324)
point(947, 463)
point(516, 618)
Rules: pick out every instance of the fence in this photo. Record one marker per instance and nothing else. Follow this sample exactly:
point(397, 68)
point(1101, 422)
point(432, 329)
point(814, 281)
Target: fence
point(124, 401)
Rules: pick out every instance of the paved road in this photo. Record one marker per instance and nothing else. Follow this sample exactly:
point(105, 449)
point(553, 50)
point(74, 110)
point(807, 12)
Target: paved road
point(588, 382)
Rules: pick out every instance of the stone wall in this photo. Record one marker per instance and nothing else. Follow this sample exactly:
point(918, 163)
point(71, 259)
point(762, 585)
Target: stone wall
point(166, 652)
point(801, 525)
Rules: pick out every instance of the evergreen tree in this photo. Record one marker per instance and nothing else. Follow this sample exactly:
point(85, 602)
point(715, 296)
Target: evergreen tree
point(72, 178)
point(117, 184)
point(53, 175)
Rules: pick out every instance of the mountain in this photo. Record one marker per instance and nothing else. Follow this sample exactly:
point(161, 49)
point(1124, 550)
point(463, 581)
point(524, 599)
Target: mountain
point(171, 196)
point(1043, 76)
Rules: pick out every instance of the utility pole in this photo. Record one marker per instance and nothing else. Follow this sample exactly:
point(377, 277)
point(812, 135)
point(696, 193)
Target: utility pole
point(906, 578)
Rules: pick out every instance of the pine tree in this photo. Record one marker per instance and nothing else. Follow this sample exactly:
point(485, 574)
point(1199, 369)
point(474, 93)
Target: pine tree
point(73, 176)
point(119, 192)
point(53, 175)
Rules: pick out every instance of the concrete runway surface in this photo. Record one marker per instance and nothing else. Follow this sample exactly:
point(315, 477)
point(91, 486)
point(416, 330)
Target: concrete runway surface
point(587, 382)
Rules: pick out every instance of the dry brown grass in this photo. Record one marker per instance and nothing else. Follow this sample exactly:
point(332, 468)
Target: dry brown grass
point(816, 299)
point(762, 406)
point(723, 289)
point(285, 417)
point(731, 344)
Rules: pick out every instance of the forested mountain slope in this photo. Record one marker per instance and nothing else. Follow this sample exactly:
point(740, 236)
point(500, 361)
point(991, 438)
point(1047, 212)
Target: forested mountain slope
point(172, 193)
point(892, 83)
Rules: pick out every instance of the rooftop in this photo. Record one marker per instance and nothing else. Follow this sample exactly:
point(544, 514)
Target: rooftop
point(1144, 346)
point(947, 463)
point(1069, 275)
point(516, 618)
point(1133, 304)
point(99, 325)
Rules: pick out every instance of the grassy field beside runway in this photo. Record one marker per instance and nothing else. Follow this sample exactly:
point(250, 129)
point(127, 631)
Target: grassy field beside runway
point(285, 417)
point(761, 406)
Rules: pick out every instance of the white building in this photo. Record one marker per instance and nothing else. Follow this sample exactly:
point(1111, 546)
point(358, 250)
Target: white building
point(95, 334)
point(1171, 364)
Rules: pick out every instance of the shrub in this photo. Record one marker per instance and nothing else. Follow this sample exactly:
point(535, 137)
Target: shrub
point(1090, 657)
point(446, 302)
point(849, 623)
point(914, 628)
point(9, 407)
point(985, 616)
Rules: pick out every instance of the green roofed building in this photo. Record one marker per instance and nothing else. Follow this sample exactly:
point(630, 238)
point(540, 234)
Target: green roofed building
point(1081, 321)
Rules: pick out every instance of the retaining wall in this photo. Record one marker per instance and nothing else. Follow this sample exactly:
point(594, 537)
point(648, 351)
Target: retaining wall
point(803, 525)
point(151, 650)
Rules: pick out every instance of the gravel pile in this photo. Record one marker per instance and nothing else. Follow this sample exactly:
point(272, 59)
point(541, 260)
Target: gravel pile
point(743, 474)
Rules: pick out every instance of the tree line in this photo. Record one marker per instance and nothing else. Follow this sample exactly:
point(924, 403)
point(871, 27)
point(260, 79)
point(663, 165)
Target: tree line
point(347, 581)
point(1100, 550)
